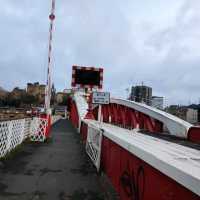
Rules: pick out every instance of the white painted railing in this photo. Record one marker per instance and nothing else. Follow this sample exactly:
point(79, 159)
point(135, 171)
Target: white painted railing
point(14, 132)
point(93, 145)
point(38, 129)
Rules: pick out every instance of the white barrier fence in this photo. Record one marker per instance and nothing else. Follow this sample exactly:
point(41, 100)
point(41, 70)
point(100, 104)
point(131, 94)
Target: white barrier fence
point(93, 145)
point(14, 132)
point(38, 129)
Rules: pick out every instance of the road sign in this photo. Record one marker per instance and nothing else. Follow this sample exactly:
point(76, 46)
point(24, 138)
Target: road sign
point(87, 77)
point(100, 97)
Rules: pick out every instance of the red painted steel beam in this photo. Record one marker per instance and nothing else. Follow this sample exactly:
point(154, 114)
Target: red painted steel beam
point(129, 118)
point(134, 118)
point(148, 124)
point(194, 134)
point(74, 115)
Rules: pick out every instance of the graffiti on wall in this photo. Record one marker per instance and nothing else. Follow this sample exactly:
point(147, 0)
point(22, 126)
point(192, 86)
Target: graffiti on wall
point(133, 182)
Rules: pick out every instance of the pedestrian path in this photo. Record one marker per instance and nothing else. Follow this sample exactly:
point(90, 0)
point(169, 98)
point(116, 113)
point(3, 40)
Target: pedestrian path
point(57, 170)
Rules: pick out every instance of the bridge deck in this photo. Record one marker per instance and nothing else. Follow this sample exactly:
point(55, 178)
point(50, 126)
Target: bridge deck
point(57, 170)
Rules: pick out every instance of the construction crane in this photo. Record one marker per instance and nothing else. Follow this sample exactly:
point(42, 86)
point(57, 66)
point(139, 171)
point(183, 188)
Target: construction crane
point(49, 69)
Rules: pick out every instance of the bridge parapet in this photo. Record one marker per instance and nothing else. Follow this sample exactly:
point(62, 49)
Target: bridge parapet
point(78, 109)
point(131, 115)
point(14, 132)
point(132, 159)
point(108, 143)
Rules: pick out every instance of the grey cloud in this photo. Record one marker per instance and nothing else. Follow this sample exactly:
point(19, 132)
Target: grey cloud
point(102, 33)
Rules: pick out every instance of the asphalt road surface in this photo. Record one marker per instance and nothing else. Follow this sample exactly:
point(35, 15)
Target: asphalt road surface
point(56, 170)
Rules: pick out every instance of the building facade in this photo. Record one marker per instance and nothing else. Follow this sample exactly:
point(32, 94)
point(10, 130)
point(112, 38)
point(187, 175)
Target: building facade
point(17, 93)
point(192, 116)
point(186, 113)
point(142, 94)
point(196, 107)
point(37, 90)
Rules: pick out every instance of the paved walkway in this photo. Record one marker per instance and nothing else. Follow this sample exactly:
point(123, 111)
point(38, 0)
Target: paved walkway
point(59, 170)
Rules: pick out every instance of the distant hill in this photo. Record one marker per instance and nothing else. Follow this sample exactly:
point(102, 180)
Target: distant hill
point(3, 92)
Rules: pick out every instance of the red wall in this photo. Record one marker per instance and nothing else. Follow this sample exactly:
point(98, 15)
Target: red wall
point(74, 115)
point(134, 179)
point(194, 134)
point(48, 128)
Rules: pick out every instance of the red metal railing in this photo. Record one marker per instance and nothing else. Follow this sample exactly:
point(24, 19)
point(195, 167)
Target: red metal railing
point(74, 114)
point(128, 118)
point(132, 177)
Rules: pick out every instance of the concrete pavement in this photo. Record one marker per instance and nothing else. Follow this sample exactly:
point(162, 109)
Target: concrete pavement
point(58, 170)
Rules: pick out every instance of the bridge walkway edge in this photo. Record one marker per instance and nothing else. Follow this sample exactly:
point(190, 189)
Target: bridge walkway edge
point(59, 169)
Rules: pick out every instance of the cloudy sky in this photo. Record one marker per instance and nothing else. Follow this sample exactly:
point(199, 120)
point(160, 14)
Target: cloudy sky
point(156, 42)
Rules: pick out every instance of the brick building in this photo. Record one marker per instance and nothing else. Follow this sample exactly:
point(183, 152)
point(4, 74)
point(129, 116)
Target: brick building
point(37, 90)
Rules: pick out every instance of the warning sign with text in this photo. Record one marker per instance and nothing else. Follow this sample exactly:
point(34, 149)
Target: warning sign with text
point(101, 98)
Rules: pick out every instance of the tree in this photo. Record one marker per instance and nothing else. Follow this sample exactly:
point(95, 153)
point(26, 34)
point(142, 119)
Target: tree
point(2, 102)
point(12, 102)
point(29, 99)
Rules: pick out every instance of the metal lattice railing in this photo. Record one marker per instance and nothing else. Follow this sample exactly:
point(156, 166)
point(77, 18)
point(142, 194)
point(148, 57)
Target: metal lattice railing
point(93, 145)
point(4, 138)
point(14, 132)
point(38, 129)
point(27, 126)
